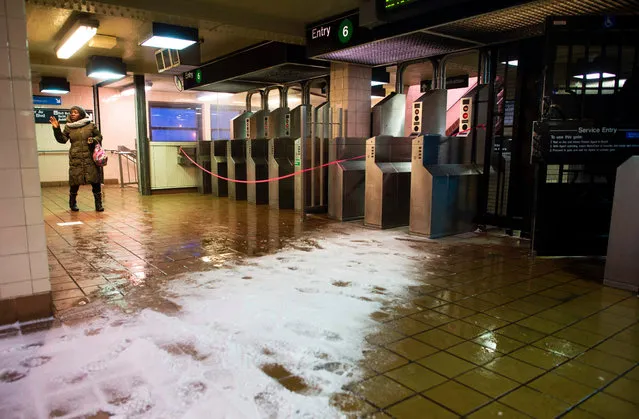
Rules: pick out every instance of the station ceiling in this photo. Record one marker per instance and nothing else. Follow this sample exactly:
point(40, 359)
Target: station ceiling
point(224, 26)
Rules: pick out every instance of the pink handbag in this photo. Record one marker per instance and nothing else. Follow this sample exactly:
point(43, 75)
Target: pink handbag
point(99, 155)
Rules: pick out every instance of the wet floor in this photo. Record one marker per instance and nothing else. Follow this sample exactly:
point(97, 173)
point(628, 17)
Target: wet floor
point(336, 319)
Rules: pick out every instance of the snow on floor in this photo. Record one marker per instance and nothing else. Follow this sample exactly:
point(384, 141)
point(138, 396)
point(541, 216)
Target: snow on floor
point(305, 313)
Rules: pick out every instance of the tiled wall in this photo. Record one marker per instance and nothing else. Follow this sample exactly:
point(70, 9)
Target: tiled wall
point(24, 269)
point(351, 91)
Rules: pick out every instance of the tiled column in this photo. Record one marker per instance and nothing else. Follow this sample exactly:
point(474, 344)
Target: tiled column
point(351, 91)
point(25, 290)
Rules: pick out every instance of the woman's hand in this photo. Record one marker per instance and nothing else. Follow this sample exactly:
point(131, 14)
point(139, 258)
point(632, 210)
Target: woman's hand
point(54, 122)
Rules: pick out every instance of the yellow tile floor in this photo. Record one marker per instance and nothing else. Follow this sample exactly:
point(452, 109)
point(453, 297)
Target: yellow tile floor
point(488, 333)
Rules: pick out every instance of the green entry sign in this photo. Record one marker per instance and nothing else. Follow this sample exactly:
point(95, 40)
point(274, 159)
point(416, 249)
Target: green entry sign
point(345, 31)
point(198, 76)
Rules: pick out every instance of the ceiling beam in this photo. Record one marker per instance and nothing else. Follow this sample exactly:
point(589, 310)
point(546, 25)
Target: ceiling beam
point(195, 13)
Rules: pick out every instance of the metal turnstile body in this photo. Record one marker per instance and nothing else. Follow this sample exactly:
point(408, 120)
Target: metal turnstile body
point(258, 124)
point(281, 162)
point(203, 158)
point(315, 198)
point(346, 180)
point(236, 157)
point(257, 169)
point(444, 187)
point(387, 194)
point(389, 115)
point(219, 166)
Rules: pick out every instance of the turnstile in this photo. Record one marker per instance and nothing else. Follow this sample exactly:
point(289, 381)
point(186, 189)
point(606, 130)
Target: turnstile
point(346, 180)
point(257, 169)
point(236, 161)
point(315, 182)
point(219, 166)
point(281, 156)
point(387, 196)
point(444, 187)
point(203, 158)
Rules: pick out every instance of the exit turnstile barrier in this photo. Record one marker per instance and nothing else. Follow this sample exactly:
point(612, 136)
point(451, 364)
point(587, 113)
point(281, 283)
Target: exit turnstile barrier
point(257, 169)
point(219, 165)
point(346, 180)
point(281, 156)
point(236, 157)
point(387, 195)
point(444, 187)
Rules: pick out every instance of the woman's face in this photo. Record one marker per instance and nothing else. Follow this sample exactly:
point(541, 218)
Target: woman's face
point(74, 115)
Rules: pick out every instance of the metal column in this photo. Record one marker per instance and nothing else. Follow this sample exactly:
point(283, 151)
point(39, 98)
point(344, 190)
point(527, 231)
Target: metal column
point(142, 143)
point(96, 105)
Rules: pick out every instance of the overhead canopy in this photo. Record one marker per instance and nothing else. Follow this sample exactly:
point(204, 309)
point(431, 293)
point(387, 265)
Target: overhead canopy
point(456, 28)
point(256, 67)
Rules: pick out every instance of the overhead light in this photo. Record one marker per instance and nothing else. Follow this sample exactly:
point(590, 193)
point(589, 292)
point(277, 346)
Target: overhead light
point(103, 42)
point(212, 97)
point(54, 85)
point(595, 76)
point(130, 90)
point(378, 91)
point(379, 76)
point(106, 68)
point(80, 33)
point(513, 63)
point(170, 37)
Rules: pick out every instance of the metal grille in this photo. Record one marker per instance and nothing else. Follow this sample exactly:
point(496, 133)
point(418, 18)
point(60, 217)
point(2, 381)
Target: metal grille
point(528, 19)
point(231, 86)
point(286, 73)
point(398, 49)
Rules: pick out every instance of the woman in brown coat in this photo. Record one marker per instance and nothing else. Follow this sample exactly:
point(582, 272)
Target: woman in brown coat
point(83, 135)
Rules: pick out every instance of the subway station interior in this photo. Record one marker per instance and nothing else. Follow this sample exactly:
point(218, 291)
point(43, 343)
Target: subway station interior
point(336, 209)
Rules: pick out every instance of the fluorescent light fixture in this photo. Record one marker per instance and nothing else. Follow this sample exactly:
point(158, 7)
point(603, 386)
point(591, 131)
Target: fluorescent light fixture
point(164, 42)
point(103, 42)
point(513, 63)
point(106, 68)
point(379, 76)
point(54, 85)
point(595, 76)
point(80, 33)
point(166, 36)
point(105, 75)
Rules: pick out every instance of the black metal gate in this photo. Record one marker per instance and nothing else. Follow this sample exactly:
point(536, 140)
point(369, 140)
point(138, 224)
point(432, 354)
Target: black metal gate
point(591, 78)
point(508, 174)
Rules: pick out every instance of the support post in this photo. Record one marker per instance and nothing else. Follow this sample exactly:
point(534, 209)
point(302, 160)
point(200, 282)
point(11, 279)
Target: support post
point(144, 149)
point(96, 105)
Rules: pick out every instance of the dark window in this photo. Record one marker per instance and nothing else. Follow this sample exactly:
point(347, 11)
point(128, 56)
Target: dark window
point(175, 122)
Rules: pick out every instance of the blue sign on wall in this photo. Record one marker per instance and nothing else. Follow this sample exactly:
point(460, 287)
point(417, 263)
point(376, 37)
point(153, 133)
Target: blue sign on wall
point(47, 100)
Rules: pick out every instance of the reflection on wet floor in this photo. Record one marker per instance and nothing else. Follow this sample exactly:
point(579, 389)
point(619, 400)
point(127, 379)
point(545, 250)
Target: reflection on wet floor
point(142, 241)
point(484, 332)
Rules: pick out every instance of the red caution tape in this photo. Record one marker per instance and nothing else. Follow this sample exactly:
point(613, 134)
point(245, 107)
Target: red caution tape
point(482, 126)
point(299, 172)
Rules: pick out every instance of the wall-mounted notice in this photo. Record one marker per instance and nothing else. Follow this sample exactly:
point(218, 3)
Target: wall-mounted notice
point(42, 115)
point(577, 142)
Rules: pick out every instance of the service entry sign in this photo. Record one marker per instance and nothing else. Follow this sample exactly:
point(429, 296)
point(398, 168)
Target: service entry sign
point(579, 142)
point(335, 34)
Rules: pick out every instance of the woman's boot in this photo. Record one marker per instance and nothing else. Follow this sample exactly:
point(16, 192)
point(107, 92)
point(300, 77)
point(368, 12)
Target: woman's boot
point(98, 202)
point(73, 202)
